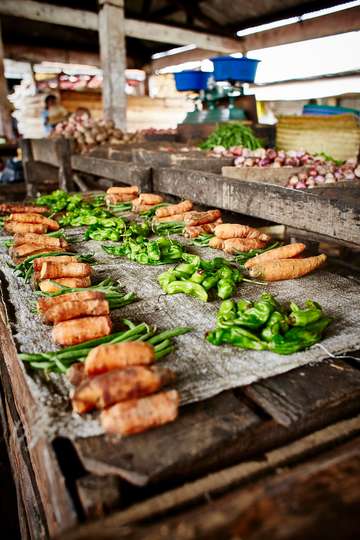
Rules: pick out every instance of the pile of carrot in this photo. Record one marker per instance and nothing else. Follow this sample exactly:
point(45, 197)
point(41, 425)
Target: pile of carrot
point(116, 195)
point(195, 223)
point(284, 262)
point(121, 381)
point(234, 237)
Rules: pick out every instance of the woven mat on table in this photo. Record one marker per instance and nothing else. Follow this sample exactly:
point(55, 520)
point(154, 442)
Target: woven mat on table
point(203, 370)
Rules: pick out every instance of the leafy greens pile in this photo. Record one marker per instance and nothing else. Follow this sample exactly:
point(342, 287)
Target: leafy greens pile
point(232, 134)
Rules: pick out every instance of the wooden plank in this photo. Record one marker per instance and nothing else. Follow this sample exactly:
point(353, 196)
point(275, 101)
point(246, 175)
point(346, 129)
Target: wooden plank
point(42, 470)
point(45, 150)
point(186, 160)
point(302, 209)
point(294, 396)
point(79, 18)
point(119, 171)
point(265, 175)
point(113, 61)
point(200, 490)
point(328, 25)
point(99, 494)
point(52, 14)
point(225, 424)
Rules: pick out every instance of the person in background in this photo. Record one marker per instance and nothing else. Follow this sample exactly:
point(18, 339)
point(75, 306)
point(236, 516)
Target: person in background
point(53, 113)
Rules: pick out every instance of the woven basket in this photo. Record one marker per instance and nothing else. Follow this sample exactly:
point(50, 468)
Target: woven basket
point(337, 136)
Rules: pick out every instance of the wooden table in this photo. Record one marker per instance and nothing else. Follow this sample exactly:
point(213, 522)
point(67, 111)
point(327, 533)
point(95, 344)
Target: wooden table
point(278, 459)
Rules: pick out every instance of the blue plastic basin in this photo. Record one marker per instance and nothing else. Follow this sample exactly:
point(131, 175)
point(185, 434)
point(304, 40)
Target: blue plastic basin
point(227, 68)
point(191, 80)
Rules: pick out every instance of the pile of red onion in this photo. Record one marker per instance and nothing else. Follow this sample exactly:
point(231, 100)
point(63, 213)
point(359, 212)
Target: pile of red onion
point(318, 169)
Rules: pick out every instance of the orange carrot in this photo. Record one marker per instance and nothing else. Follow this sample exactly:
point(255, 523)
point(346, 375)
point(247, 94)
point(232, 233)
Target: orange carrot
point(200, 218)
point(173, 209)
point(25, 250)
point(193, 231)
point(37, 263)
point(20, 208)
point(53, 270)
point(236, 245)
point(216, 243)
point(79, 330)
point(76, 373)
point(35, 218)
point(283, 252)
point(73, 310)
point(40, 240)
point(150, 198)
point(235, 230)
point(281, 269)
point(118, 356)
point(46, 303)
point(50, 286)
point(123, 189)
point(14, 227)
point(114, 198)
point(173, 217)
point(119, 385)
point(138, 415)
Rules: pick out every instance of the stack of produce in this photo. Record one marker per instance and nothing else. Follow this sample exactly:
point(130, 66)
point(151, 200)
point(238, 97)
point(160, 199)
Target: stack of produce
point(230, 134)
point(267, 325)
point(30, 222)
point(115, 195)
point(120, 380)
point(270, 157)
point(233, 238)
point(325, 173)
point(284, 262)
point(194, 223)
point(146, 201)
point(88, 133)
point(197, 277)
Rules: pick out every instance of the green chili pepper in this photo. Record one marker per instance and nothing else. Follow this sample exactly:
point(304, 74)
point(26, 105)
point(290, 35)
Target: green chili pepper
point(225, 288)
point(186, 268)
point(299, 338)
point(227, 310)
point(210, 281)
point(166, 278)
point(236, 336)
point(276, 324)
point(187, 287)
point(242, 305)
point(198, 276)
point(259, 313)
point(301, 317)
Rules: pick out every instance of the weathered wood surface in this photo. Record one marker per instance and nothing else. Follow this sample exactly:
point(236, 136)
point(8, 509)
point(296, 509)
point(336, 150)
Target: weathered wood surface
point(266, 175)
point(119, 171)
point(192, 160)
point(207, 488)
point(47, 503)
point(306, 210)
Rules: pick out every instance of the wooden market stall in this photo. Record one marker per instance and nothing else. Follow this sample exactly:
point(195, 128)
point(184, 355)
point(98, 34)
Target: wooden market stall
point(274, 457)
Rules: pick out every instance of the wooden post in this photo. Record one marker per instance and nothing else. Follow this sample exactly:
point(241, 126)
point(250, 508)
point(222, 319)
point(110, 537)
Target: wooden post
point(27, 159)
point(113, 60)
point(5, 116)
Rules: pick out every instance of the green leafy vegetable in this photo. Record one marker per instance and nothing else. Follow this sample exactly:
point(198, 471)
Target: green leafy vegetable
point(232, 134)
point(144, 251)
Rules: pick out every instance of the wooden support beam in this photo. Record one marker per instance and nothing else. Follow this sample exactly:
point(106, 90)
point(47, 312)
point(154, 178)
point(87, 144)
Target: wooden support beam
point(38, 11)
point(347, 20)
point(34, 54)
point(5, 116)
point(113, 60)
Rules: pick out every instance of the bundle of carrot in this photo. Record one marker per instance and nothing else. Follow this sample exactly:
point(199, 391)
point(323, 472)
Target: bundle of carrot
point(284, 262)
point(129, 199)
point(234, 237)
point(193, 223)
point(29, 222)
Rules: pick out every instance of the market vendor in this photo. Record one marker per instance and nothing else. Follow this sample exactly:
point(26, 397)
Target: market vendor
point(53, 113)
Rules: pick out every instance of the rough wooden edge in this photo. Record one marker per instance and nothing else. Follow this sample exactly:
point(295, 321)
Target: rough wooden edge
point(223, 480)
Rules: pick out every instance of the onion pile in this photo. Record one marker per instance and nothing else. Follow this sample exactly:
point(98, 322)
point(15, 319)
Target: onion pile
point(320, 169)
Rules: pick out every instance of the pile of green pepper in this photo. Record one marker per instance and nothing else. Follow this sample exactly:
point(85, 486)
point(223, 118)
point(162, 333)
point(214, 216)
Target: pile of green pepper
point(197, 277)
point(144, 251)
point(72, 205)
point(106, 228)
point(267, 325)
